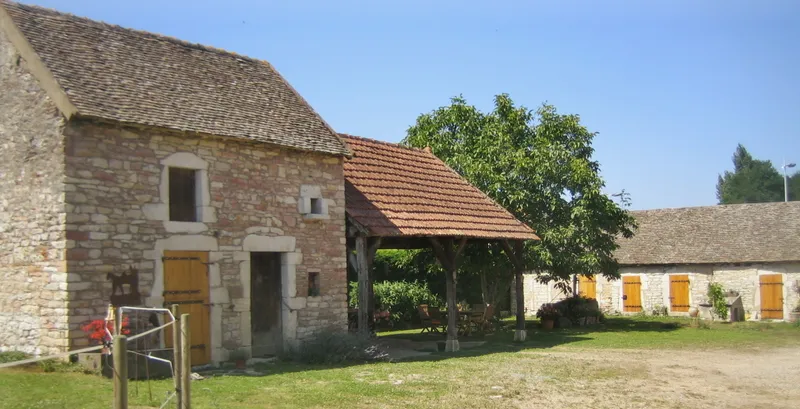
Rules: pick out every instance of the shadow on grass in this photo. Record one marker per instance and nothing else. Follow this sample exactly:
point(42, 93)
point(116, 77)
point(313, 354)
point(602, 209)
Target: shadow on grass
point(500, 341)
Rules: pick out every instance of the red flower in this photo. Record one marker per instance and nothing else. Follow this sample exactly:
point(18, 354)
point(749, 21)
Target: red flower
point(97, 330)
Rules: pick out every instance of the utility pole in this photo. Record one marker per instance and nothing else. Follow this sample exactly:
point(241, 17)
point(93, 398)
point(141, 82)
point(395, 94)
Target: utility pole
point(786, 180)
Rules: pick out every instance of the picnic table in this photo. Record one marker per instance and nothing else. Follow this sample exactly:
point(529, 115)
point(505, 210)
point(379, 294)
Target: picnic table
point(465, 321)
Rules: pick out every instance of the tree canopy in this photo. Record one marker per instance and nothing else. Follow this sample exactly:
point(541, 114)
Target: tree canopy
point(754, 181)
point(538, 165)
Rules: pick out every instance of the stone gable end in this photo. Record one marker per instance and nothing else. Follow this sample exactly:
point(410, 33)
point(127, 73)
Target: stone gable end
point(33, 295)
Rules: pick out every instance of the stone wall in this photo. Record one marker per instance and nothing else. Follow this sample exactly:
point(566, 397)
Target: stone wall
point(745, 280)
point(655, 286)
point(117, 203)
point(32, 271)
point(537, 294)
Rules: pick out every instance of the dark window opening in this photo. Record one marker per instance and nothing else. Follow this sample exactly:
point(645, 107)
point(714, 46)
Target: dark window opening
point(182, 195)
point(313, 284)
point(316, 206)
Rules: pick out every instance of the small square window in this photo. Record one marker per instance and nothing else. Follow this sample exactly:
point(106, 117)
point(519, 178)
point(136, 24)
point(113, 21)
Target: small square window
point(316, 205)
point(182, 195)
point(313, 284)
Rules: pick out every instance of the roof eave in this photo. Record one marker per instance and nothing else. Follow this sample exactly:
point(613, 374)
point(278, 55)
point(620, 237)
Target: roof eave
point(110, 121)
point(705, 263)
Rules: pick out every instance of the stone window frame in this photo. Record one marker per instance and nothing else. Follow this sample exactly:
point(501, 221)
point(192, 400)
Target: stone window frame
point(311, 195)
point(205, 212)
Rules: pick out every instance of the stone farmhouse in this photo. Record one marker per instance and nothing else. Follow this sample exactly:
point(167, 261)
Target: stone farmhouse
point(141, 170)
point(753, 249)
point(181, 174)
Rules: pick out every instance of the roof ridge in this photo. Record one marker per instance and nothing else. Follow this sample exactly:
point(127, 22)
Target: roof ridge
point(718, 206)
point(99, 23)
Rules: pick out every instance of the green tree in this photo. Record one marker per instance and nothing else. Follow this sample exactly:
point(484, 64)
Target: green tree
point(538, 165)
point(794, 187)
point(752, 181)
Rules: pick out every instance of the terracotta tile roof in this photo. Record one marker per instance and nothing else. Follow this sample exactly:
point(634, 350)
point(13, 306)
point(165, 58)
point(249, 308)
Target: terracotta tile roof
point(131, 76)
point(745, 233)
point(397, 191)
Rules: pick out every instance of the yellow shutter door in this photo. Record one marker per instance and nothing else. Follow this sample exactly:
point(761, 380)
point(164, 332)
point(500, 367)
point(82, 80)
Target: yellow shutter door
point(632, 294)
point(771, 296)
point(186, 284)
point(587, 287)
point(679, 293)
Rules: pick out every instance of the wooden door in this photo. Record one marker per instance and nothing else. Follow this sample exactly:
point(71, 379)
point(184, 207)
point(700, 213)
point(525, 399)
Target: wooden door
point(265, 303)
point(186, 284)
point(771, 296)
point(587, 287)
point(631, 294)
point(679, 293)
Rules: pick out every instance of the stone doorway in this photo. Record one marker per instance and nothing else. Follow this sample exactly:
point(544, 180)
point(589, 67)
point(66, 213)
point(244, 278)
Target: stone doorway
point(265, 303)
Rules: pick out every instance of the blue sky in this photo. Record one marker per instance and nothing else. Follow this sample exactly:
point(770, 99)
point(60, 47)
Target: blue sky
point(670, 86)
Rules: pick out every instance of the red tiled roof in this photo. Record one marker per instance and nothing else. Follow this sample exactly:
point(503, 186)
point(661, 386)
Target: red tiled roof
point(397, 191)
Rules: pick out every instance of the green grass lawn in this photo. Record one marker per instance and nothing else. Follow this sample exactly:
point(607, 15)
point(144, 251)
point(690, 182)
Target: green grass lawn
point(494, 375)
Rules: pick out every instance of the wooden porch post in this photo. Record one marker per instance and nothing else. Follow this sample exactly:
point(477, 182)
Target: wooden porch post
point(365, 253)
point(448, 257)
point(363, 284)
point(515, 254)
point(373, 244)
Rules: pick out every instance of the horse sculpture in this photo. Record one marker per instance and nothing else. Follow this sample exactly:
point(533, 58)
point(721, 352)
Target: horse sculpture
point(118, 282)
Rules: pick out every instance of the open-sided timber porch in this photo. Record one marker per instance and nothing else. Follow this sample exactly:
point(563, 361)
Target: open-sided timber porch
point(406, 198)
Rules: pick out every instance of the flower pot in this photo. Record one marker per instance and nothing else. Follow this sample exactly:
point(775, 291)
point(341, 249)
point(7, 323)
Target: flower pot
point(441, 346)
point(547, 324)
point(241, 364)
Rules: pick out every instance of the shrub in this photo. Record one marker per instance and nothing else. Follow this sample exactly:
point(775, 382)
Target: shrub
point(719, 304)
point(335, 347)
point(548, 312)
point(47, 365)
point(13, 356)
point(660, 310)
point(400, 298)
point(576, 307)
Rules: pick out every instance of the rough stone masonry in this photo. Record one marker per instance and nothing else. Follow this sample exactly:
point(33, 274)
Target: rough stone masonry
point(84, 198)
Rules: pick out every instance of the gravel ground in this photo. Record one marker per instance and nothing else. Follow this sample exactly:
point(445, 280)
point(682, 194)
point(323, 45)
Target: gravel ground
point(752, 378)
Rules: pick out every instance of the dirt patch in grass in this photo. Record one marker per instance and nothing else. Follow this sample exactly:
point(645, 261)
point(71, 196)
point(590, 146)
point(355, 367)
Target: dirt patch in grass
point(764, 378)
